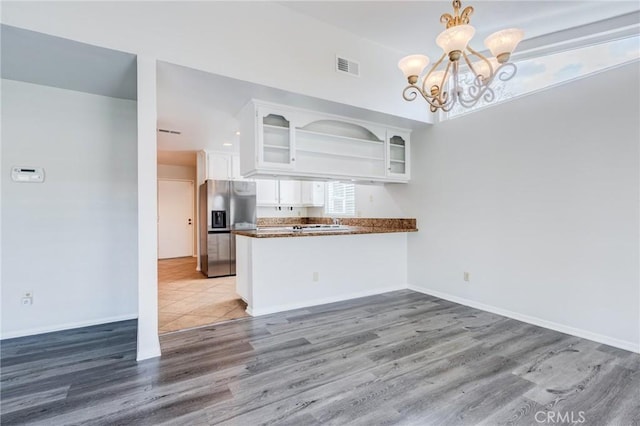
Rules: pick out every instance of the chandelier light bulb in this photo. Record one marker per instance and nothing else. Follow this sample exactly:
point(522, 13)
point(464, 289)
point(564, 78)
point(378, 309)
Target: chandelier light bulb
point(412, 66)
point(454, 40)
point(503, 43)
point(435, 79)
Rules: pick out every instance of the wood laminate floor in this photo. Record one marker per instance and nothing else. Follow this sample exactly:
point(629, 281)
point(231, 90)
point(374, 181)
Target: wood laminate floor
point(399, 358)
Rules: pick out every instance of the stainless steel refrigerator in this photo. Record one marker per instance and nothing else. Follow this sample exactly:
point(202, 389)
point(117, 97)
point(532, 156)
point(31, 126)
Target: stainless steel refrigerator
point(224, 206)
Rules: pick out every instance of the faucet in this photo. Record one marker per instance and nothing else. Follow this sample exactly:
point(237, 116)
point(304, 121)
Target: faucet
point(335, 220)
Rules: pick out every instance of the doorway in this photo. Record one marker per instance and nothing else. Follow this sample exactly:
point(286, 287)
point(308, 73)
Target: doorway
point(175, 218)
point(188, 299)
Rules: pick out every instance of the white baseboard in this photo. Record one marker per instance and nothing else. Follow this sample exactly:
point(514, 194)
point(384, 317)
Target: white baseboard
point(288, 307)
point(65, 326)
point(578, 332)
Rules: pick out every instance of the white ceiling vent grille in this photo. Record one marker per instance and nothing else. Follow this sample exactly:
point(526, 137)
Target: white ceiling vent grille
point(346, 66)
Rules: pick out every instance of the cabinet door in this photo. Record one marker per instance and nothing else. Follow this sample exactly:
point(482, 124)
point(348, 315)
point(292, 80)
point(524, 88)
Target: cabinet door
point(267, 192)
point(398, 154)
point(290, 193)
point(235, 167)
point(312, 194)
point(275, 139)
point(218, 166)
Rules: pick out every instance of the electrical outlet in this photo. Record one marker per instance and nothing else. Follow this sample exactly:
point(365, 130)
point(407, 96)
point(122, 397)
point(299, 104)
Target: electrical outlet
point(27, 298)
point(467, 277)
point(316, 277)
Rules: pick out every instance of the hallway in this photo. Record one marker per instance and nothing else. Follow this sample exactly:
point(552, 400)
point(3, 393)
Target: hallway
point(187, 299)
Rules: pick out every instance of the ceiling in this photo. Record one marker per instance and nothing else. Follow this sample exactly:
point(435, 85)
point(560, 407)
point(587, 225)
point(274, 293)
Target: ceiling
point(202, 106)
point(66, 64)
point(412, 26)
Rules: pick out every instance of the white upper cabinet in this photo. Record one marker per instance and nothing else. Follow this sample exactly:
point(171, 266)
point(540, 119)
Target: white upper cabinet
point(275, 139)
point(235, 167)
point(219, 166)
point(281, 141)
point(290, 193)
point(223, 166)
point(267, 192)
point(312, 194)
point(398, 154)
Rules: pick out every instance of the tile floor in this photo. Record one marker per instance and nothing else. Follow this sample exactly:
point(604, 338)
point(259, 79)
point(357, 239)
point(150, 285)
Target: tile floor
point(187, 299)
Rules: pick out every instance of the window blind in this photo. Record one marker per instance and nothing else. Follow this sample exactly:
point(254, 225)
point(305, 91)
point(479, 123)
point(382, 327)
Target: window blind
point(341, 199)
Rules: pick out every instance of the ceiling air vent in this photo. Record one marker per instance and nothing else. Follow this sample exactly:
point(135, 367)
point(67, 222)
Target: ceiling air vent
point(348, 67)
point(173, 132)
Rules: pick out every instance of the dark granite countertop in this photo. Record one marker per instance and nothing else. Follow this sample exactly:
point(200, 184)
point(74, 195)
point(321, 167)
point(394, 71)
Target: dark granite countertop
point(284, 227)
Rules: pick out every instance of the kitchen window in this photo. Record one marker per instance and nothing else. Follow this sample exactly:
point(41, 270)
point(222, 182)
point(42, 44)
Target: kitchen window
point(341, 199)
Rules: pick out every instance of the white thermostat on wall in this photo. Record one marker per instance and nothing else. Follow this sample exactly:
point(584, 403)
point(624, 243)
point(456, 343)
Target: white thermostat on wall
point(27, 174)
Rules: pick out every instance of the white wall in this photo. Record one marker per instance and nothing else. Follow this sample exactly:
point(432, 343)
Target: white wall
point(148, 341)
point(170, 171)
point(374, 201)
point(538, 199)
point(378, 201)
point(250, 41)
point(72, 240)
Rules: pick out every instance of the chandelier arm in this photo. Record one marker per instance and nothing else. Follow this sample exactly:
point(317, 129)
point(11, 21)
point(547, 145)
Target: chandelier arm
point(486, 61)
point(507, 71)
point(411, 92)
point(455, 90)
point(431, 70)
point(475, 88)
point(445, 75)
point(445, 98)
point(468, 62)
point(482, 92)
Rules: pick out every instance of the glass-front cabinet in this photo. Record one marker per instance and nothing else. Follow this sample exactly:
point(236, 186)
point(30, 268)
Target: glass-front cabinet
point(282, 141)
point(275, 139)
point(398, 154)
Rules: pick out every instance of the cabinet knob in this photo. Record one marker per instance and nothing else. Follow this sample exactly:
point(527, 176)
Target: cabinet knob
point(293, 159)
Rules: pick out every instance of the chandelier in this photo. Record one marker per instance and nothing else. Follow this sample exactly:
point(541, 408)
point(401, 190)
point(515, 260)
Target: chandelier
point(466, 76)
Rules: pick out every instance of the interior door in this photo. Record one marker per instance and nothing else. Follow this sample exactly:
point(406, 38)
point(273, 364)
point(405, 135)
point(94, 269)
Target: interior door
point(175, 218)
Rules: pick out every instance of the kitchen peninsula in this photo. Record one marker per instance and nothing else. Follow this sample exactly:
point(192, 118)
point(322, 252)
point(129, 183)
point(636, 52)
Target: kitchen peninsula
point(291, 263)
